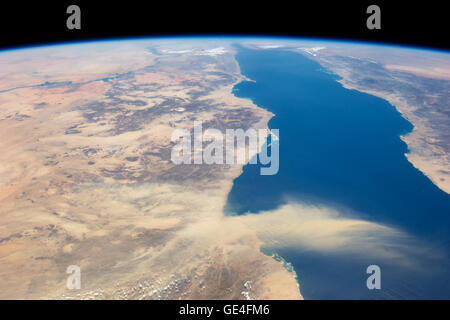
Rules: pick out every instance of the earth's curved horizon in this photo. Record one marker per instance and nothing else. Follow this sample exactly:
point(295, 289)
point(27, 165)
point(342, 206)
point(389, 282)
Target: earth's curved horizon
point(87, 176)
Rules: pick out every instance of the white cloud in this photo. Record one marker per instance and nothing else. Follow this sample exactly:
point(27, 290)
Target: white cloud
point(312, 51)
point(198, 52)
point(270, 46)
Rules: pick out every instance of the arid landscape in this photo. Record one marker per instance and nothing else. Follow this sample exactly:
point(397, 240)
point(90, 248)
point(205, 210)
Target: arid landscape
point(86, 176)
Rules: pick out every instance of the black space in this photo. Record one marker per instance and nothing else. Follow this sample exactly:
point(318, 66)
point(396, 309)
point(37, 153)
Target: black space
point(403, 22)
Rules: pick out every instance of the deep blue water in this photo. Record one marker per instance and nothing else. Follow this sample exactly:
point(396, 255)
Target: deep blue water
point(341, 148)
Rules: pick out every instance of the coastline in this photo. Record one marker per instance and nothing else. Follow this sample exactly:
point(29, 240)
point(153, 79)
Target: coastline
point(423, 151)
point(265, 124)
point(425, 157)
point(384, 115)
point(286, 264)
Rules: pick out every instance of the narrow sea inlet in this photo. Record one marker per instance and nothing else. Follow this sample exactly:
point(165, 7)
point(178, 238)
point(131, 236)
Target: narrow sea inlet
point(341, 152)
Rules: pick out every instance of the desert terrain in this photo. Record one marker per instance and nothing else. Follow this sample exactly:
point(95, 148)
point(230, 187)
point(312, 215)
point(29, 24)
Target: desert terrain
point(86, 177)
